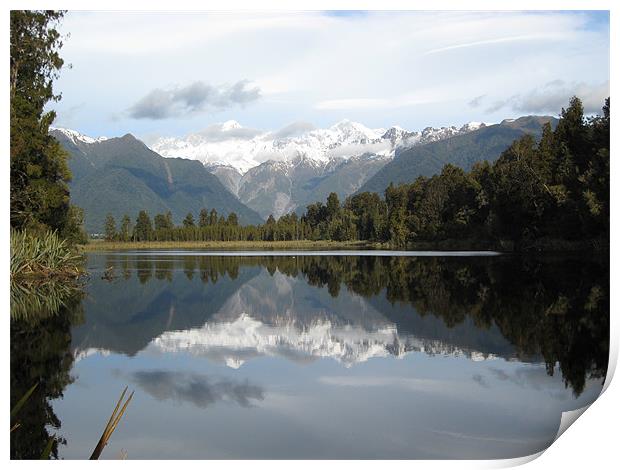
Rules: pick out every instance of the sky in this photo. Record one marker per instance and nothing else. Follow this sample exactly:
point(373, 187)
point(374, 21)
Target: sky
point(172, 74)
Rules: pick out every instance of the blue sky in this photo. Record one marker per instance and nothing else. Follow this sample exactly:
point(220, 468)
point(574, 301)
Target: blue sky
point(170, 74)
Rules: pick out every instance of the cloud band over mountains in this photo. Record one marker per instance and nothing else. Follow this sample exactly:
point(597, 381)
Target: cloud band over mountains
point(552, 97)
point(195, 97)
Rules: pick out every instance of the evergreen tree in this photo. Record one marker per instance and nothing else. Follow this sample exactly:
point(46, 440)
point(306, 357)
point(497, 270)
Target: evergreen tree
point(163, 221)
point(125, 229)
point(38, 165)
point(188, 221)
point(110, 228)
point(572, 132)
point(213, 217)
point(369, 212)
point(333, 205)
point(169, 222)
point(144, 228)
point(203, 219)
point(232, 219)
point(396, 200)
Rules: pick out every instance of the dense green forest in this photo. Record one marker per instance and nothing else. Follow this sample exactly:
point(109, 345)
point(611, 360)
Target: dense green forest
point(39, 171)
point(555, 189)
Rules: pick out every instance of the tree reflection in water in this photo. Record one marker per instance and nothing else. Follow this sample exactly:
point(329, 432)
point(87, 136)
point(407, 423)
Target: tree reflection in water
point(41, 322)
point(554, 307)
point(547, 309)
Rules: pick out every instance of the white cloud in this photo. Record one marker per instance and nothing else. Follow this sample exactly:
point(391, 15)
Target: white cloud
point(402, 101)
point(353, 103)
point(192, 98)
point(553, 96)
point(499, 40)
point(414, 68)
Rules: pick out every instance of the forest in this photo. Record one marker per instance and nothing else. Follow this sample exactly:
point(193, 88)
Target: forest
point(546, 194)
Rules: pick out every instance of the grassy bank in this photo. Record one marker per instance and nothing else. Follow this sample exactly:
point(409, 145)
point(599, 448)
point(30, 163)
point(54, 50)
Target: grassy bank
point(100, 245)
point(540, 245)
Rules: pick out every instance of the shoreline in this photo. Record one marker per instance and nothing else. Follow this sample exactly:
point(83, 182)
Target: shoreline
point(97, 245)
point(538, 246)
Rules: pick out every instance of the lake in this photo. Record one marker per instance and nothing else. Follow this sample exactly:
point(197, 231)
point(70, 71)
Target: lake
point(302, 355)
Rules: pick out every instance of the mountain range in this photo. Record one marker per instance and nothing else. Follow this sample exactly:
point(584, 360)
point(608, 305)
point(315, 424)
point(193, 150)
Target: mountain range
point(123, 176)
point(257, 173)
point(486, 143)
point(279, 172)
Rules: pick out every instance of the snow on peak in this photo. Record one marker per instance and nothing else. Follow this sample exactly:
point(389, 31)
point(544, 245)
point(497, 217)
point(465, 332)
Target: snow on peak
point(472, 126)
point(231, 144)
point(354, 130)
point(76, 137)
point(395, 133)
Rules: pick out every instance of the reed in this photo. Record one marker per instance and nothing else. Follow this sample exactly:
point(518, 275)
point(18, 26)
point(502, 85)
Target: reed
point(105, 436)
point(111, 426)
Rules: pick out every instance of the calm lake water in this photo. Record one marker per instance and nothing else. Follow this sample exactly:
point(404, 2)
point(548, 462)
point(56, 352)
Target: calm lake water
point(294, 355)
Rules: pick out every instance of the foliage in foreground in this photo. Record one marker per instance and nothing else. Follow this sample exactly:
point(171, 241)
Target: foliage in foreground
point(43, 256)
point(39, 169)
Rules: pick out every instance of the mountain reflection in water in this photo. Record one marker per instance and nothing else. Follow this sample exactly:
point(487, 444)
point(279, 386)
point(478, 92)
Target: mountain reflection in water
point(276, 333)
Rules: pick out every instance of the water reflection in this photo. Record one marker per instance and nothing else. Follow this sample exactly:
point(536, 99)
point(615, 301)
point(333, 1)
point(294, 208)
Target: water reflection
point(199, 390)
point(287, 343)
point(41, 322)
point(353, 308)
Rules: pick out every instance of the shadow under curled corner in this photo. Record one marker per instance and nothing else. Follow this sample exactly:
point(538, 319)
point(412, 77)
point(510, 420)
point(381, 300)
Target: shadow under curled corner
point(568, 418)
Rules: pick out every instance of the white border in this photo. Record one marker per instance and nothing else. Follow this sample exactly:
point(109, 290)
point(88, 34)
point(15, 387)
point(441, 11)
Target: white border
point(592, 442)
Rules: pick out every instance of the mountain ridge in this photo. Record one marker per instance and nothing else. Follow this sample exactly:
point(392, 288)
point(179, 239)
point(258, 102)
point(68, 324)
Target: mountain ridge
point(121, 175)
point(275, 173)
point(229, 143)
point(482, 144)
point(346, 158)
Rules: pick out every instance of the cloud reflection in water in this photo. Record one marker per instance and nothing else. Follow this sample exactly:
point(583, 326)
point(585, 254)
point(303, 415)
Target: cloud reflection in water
point(199, 390)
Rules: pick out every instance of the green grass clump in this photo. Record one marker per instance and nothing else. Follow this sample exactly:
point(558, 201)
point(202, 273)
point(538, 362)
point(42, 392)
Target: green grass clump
point(43, 256)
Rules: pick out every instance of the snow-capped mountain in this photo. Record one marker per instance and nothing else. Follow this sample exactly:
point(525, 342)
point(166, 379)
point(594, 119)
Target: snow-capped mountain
point(279, 187)
point(278, 172)
point(230, 144)
point(121, 175)
point(403, 139)
point(242, 148)
point(76, 137)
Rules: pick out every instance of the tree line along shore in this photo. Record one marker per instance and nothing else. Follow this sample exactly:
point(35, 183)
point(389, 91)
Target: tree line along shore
point(551, 194)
